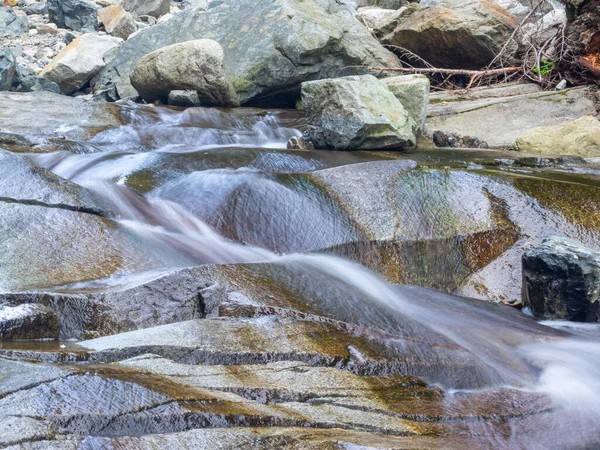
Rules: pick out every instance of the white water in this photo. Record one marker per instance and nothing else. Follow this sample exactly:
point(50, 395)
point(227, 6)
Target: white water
point(513, 357)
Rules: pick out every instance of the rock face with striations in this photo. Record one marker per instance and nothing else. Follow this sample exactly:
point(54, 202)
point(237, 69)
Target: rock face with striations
point(561, 280)
point(270, 47)
point(354, 113)
point(78, 15)
point(199, 67)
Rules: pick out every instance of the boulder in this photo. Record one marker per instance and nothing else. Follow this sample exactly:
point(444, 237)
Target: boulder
point(11, 24)
point(357, 112)
point(8, 69)
point(457, 34)
point(36, 8)
point(561, 280)
point(27, 322)
point(33, 84)
point(183, 98)
point(117, 22)
point(413, 93)
point(78, 15)
point(153, 8)
point(377, 19)
point(193, 65)
point(270, 47)
point(579, 138)
point(78, 62)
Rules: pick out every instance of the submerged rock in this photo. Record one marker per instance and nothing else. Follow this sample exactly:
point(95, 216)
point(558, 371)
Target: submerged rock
point(77, 15)
point(270, 47)
point(193, 65)
point(579, 138)
point(77, 63)
point(561, 280)
point(354, 113)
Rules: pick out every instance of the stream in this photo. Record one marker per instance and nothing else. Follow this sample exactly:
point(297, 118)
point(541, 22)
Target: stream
point(218, 188)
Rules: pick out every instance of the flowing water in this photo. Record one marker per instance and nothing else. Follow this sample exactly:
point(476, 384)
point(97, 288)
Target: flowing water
point(169, 178)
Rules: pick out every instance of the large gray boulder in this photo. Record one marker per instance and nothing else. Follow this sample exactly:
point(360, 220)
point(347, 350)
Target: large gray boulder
point(561, 280)
point(193, 65)
point(78, 15)
point(11, 24)
point(354, 113)
point(8, 69)
point(457, 34)
point(270, 47)
point(153, 8)
point(79, 61)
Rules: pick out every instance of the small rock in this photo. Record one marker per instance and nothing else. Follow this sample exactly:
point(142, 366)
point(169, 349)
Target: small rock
point(117, 22)
point(562, 85)
point(11, 2)
point(69, 37)
point(192, 65)
point(357, 112)
point(578, 138)
point(73, 14)
point(11, 24)
point(47, 28)
point(34, 84)
point(300, 143)
point(8, 68)
point(183, 98)
point(154, 8)
point(36, 8)
point(561, 280)
point(77, 63)
point(455, 140)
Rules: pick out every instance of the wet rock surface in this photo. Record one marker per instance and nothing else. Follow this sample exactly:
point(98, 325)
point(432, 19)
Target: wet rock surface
point(212, 307)
point(561, 280)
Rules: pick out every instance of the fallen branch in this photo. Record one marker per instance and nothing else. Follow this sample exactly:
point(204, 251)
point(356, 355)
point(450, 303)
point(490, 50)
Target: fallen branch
point(434, 70)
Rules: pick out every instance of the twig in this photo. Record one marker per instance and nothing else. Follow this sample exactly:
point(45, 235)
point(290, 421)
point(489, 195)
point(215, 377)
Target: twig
point(435, 70)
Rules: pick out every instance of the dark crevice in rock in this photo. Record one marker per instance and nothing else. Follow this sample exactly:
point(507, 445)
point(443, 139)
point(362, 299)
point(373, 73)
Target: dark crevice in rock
point(79, 209)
